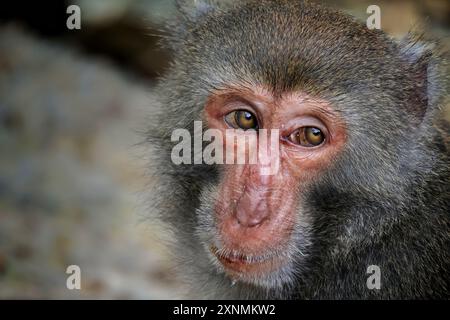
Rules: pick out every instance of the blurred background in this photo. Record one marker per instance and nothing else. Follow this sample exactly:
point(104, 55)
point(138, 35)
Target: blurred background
point(73, 105)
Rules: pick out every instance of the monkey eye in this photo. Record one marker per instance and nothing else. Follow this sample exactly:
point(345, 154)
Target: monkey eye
point(307, 137)
point(242, 119)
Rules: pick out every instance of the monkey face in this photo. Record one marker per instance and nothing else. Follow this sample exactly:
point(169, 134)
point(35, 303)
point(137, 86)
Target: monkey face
point(349, 108)
point(256, 228)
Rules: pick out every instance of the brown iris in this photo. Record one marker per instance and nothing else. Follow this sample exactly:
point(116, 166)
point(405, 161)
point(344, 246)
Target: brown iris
point(307, 137)
point(242, 119)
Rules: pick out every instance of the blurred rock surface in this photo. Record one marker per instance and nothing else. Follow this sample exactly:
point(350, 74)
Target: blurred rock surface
point(71, 176)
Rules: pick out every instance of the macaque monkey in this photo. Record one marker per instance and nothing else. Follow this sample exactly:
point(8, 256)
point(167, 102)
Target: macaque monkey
point(363, 174)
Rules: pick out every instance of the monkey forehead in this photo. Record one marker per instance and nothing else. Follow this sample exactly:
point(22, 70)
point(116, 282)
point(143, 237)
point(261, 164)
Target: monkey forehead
point(266, 101)
point(291, 44)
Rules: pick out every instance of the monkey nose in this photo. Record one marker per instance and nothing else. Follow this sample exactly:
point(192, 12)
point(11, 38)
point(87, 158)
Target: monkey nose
point(251, 211)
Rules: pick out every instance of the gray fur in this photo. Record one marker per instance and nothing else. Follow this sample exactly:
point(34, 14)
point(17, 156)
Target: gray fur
point(384, 201)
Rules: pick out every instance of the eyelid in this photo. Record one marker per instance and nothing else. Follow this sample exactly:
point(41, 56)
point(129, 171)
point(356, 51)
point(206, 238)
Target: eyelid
point(238, 103)
point(304, 122)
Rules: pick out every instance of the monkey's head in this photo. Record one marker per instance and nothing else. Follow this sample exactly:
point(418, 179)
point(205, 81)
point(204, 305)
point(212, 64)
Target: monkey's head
point(343, 99)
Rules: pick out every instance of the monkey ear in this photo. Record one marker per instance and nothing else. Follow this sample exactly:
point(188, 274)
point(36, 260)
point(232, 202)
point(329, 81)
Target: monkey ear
point(430, 75)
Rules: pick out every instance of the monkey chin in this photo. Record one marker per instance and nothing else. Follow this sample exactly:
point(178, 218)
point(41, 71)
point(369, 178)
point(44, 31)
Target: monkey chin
point(270, 271)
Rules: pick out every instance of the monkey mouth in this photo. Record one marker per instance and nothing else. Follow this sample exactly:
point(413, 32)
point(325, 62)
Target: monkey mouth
point(239, 264)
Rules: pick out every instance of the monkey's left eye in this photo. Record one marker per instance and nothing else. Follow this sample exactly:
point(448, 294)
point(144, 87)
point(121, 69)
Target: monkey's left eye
point(307, 137)
point(242, 119)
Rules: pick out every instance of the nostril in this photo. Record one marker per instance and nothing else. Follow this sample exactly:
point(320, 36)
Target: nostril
point(250, 222)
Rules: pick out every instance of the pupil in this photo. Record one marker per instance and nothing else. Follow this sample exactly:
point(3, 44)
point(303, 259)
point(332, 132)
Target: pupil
point(316, 131)
point(248, 115)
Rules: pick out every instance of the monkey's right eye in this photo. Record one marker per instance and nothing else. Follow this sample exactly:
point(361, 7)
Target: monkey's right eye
point(307, 137)
point(242, 119)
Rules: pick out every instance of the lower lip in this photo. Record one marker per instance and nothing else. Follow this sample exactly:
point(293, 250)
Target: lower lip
point(243, 267)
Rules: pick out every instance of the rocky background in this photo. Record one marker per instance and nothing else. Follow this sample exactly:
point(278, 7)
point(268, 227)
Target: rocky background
point(73, 106)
